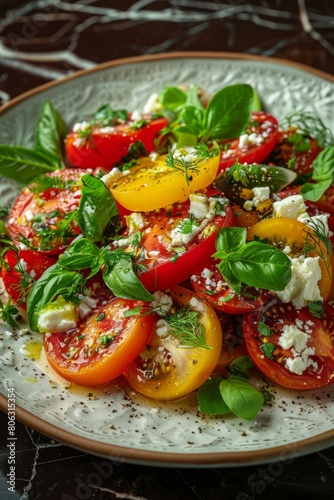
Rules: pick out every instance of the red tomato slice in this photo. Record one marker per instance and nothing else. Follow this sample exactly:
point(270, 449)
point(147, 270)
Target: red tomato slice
point(286, 151)
point(20, 269)
point(167, 371)
point(102, 346)
point(287, 349)
point(265, 130)
point(209, 284)
point(164, 265)
point(36, 216)
point(108, 145)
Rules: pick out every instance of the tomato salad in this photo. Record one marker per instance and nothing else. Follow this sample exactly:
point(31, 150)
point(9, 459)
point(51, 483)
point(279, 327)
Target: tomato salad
point(183, 247)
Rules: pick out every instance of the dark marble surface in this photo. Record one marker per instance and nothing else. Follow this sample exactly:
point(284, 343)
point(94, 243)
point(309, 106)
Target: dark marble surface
point(42, 40)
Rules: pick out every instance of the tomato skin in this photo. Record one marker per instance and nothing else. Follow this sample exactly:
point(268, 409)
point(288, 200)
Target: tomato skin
point(284, 151)
point(253, 153)
point(161, 272)
point(29, 205)
point(321, 339)
point(99, 368)
point(187, 368)
point(34, 262)
point(152, 184)
point(238, 304)
point(104, 149)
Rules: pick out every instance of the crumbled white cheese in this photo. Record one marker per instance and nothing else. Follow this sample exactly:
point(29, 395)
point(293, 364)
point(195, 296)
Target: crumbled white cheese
point(136, 115)
point(199, 205)
point(135, 221)
point(303, 286)
point(81, 126)
point(180, 238)
point(29, 215)
point(162, 329)
point(317, 222)
point(106, 130)
point(23, 265)
point(152, 104)
point(111, 176)
point(246, 140)
point(291, 207)
point(261, 194)
point(57, 320)
point(293, 337)
point(162, 303)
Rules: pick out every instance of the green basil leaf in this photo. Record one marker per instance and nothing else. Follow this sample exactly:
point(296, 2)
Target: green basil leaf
point(191, 120)
point(97, 207)
point(243, 363)
point(230, 239)
point(106, 116)
point(193, 99)
point(242, 398)
point(257, 176)
point(228, 112)
point(50, 133)
point(121, 279)
point(82, 254)
point(172, 98)
point(227, 272)
point(323, 165)
point(209, 398)
point(262, 266)
point(314, 191)
point(23, 164)
point(53, 282)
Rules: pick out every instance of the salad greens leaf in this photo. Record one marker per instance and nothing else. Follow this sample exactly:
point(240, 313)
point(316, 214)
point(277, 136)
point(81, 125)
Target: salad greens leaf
point(228, 112)
point(23, 164)
point(234, 394)
point(322, 175)
point(253, 263)
point(97, 207)
point(242, 398)
point(50, 134)
point(172, 98)
point(120, 277)
point(82, 254)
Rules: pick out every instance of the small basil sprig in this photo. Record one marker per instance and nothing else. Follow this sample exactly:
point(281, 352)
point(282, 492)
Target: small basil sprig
point(64, 278)
point(322, 175)
point(226, 116)
point(219, 396)
point(253, 263)
point(23, 164)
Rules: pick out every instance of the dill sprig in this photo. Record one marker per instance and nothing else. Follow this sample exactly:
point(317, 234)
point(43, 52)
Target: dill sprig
point(187, 160)
point(44, 182)
point(55, 233)
point(314, 238)
point(185, 325)
point(308, 124)
point(9, 313)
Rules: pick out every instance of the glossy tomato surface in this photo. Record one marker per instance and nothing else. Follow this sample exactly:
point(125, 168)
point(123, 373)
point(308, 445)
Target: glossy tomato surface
point(39, 213)
point(160, 263)
point(20, 269)
point(153, 184)
point(100, 348)
point(299, 157)
point(106, 146)
point(305, 358)
point(209, 284)
point(165, 370)
point(262, 135)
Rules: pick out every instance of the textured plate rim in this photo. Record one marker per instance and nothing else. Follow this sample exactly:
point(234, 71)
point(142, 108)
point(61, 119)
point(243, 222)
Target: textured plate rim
point(169, 459)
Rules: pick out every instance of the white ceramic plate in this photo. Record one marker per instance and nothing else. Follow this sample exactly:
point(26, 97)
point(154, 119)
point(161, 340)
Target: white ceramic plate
point(113, 422)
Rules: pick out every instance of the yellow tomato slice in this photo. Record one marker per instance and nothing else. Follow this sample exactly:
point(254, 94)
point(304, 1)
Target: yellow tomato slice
point(166, 371)
point(284, 232)
point(152, 184)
